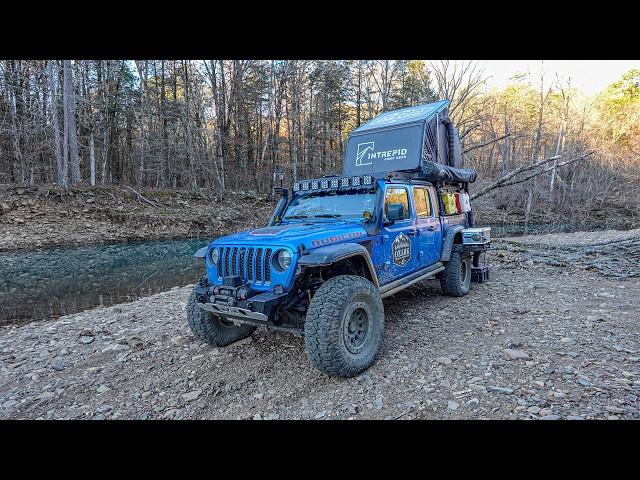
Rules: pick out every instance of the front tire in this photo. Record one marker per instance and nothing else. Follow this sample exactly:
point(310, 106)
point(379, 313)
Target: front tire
point(455, 280)
point(344, 326)
point(212, 329)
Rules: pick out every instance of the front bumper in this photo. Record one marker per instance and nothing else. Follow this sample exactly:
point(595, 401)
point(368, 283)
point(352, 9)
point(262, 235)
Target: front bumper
point(259, 309)
point(234, 313)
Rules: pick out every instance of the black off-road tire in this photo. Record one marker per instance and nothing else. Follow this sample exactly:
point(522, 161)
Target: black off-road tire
point(212, 329)
point(455, 280)
point(333, 346)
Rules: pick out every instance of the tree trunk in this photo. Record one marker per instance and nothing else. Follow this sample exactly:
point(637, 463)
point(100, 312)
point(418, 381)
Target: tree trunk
point(70, 122)
point(92, 159)
point(561, 135)
point(12, 90)
point(190, 154)
point(142, 73)
point(505, 150)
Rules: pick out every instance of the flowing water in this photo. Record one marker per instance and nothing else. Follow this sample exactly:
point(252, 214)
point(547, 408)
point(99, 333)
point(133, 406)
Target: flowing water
point(60, 281)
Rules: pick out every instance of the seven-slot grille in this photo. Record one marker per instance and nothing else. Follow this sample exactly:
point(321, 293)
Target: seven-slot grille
point(252, 264)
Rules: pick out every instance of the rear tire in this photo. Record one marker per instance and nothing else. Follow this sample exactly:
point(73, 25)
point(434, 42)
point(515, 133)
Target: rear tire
point(455, 280)
point(212, 329)
point(344, 326)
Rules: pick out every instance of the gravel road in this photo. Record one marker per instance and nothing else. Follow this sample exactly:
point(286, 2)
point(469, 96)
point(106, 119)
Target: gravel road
point(536, 342)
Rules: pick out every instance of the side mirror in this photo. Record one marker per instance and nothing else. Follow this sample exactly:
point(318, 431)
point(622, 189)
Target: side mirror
point(395, 212)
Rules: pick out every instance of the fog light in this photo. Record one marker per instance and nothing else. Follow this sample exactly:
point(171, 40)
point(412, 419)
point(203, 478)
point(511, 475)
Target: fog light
point(278, 289)
point(335, 183)
point(305, 185)
point(216, 290)
point(344, 182)
point(367, 180)
point(231, 301)
point(324, 184)
point(296, 187)
point(314, 185)
point(355, 181)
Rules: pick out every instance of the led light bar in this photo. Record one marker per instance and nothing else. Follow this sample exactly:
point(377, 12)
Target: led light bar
point(333, 183)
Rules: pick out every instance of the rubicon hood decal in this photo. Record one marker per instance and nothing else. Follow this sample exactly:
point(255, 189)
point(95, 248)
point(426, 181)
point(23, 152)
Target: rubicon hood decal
point(337, 238)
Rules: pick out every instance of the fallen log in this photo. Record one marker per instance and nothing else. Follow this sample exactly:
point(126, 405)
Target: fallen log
point(504, 181)
point(548, 169)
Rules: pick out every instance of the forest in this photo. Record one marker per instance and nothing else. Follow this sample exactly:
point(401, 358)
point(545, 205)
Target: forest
point(222, 125)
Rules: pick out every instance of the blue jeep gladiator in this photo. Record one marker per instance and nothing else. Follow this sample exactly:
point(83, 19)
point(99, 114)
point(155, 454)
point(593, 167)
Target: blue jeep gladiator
point(337, 245)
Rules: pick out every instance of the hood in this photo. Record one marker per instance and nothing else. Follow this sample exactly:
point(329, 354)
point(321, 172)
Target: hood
point(310, 234)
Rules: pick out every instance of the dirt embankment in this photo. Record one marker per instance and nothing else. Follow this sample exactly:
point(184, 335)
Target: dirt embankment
point(40, 217)
point(538, 341)
point(44, 216)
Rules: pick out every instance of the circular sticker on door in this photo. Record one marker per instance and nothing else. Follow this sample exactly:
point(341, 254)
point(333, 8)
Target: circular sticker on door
point(401, 248)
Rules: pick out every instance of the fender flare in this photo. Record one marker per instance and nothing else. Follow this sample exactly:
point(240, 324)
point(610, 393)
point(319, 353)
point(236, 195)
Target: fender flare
point(447, 242)
point(330, 254)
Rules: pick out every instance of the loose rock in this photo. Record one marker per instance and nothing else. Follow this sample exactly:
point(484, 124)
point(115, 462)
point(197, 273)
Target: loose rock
point(516, 354)
point(191, 396)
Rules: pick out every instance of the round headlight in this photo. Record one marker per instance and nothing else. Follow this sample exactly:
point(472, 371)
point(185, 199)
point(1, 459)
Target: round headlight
point(215, 253)
point(283, 259)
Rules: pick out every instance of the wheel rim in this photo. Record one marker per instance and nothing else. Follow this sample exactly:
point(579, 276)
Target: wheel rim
point(356, 328)
point(463, 272)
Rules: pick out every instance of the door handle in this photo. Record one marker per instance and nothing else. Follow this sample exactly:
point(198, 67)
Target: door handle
point(431, 228)
point(412, 233)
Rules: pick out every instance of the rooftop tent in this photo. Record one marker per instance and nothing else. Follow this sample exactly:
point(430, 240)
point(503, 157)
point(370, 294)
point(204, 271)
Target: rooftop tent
point(404, 140)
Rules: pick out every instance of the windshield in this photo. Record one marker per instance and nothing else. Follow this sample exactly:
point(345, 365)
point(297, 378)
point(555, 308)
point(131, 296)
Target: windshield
point(331, 205)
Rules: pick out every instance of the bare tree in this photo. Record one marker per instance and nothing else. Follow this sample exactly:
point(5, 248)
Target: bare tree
point(53, 81)
point(566, 96)
point(228, 124)
point(70, 129)
point(384, 73)
point(462, 83)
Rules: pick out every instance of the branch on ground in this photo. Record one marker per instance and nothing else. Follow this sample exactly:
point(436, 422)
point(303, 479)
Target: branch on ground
point(142, 197)
point(505, 180)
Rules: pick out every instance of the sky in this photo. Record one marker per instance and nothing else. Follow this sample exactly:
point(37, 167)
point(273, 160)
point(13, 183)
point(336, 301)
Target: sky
point(590, 76)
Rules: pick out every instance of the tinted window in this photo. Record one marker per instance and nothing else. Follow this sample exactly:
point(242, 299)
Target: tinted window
point(397, 196)
point(421, 200)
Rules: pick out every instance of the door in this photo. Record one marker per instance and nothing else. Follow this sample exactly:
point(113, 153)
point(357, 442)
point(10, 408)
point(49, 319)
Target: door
point(427, 225)
point(399, 238)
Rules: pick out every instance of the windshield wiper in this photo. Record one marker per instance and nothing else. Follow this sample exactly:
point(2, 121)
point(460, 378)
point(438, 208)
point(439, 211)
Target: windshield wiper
point(295, 216)
point(328, 215)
